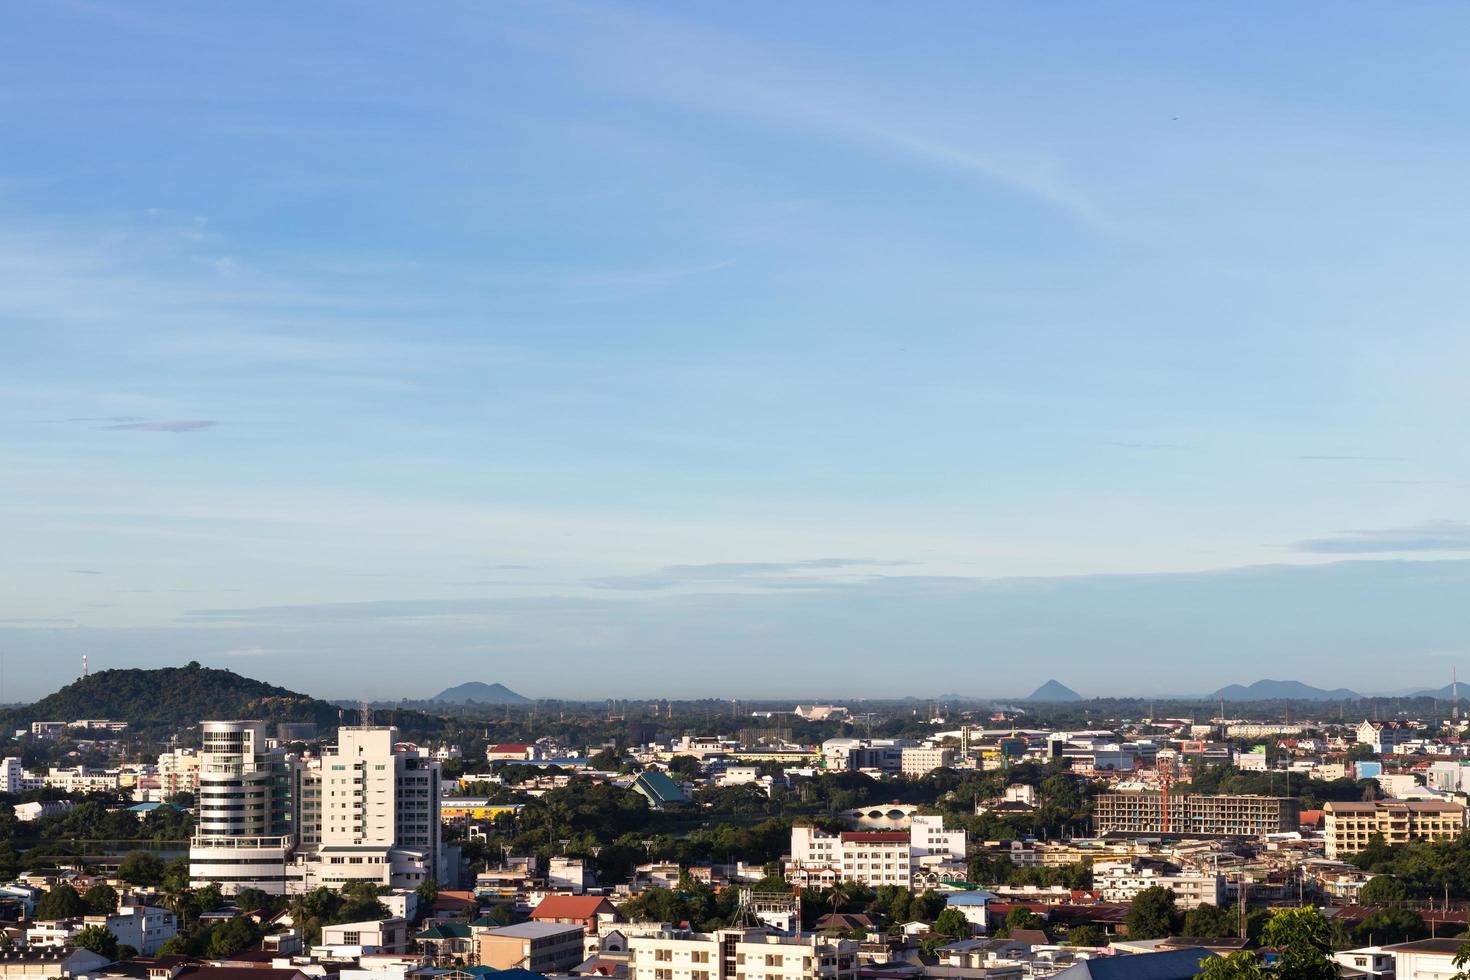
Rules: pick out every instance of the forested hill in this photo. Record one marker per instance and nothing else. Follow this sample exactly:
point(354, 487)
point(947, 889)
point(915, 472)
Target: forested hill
point(172, 697)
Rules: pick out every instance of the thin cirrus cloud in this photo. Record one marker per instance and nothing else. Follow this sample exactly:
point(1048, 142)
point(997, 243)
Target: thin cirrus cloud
point(1427, 536)
point(137, 423)
point(163, 425)
point(1330, 458)
point(671, 576)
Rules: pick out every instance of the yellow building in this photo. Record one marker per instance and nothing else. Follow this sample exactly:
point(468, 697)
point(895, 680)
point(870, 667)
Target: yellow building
point(1349, 826)
point(453, 810)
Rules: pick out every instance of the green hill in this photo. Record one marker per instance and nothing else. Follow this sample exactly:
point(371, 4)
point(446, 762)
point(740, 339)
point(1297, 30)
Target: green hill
point(173, 698)
point(170, 699)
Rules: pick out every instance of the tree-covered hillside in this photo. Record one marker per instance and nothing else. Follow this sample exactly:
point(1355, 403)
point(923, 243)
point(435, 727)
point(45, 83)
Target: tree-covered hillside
point(172, 697)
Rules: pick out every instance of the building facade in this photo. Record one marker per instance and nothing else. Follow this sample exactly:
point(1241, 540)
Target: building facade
point(1121, 881)
point(925, 854)
point(366, 810)
point(1348, 827)
point(741, 954)
point(1142, 814)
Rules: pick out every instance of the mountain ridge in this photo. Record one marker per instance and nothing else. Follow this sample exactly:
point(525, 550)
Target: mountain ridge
point(1273, 690)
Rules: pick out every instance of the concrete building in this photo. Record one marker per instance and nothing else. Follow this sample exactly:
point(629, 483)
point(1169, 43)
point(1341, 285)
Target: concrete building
point(247, 813)
point(1384, 738)
point(379, 817)
point(1121, 881)
point(143, 927)
point(920, 760)
point(926, 853)
point(178, 772)
point(366, 810)
point(42, 963)
point(12, 776)
point(373, 936)
point(1424, 959)
point(541, 947)
point(1348, 827)
point(1146, 814)
point(850, 754)
point(741, 954)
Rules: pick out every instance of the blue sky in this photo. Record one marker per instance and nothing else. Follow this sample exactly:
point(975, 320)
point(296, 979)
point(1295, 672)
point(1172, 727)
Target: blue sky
point(742, 350)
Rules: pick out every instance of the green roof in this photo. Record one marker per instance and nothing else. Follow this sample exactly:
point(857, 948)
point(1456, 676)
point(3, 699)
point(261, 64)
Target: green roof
point(445, 930)
point(658, 788)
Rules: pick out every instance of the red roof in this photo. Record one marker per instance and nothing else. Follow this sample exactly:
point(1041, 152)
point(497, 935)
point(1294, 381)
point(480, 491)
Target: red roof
point(509, 747)
point(875, 837)
point(571, 907)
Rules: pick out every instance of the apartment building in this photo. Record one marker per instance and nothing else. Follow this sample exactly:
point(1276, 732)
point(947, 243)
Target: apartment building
point(1348, 827)
point(926, 853)
point(143, 927)
point(1121, 881)
point(741, 954)
point(178, 772)
point(541, 947)
point(366, 810)
point(920, 760)
point(1143, 814)
point(1384, 738)
point(378, 817)
point(12, 776)
point(850, 754)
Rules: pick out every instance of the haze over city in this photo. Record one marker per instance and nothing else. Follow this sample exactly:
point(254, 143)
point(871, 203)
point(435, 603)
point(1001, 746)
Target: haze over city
point(740, 350)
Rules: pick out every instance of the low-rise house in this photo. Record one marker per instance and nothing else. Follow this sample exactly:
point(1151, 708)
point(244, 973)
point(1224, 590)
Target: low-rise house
point(586, 911)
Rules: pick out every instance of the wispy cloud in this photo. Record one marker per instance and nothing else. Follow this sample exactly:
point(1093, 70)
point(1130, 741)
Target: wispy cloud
point(663, 60)
point(1428, 536)
point(85, 571)
point(675, 575)
point(164, 425)
point(137, 423)
point(1327, 458)
point(250, 652)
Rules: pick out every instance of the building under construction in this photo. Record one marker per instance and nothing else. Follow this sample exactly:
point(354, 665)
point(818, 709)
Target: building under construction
point(1151, 814)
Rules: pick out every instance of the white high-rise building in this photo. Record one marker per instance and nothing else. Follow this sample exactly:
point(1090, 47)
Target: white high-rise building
point(246, 813)
point(378, 812)
point(12, 777)
point(366, 810)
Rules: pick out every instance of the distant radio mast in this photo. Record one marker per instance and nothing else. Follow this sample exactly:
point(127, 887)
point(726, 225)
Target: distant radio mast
point(1455, 693)
point(84, 665)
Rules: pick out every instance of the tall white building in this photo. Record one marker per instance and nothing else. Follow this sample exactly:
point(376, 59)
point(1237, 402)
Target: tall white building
point(379, 812)
point(245, 832)
point(366, 810)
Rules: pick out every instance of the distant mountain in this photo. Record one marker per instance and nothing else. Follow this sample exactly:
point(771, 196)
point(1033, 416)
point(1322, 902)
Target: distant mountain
point(172, 698)
point(1283, 691)
point(1054, 691)
point(475, 692)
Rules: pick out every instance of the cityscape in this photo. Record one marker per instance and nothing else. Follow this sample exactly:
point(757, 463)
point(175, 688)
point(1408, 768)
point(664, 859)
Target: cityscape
point(630, 490)
point(481, 831)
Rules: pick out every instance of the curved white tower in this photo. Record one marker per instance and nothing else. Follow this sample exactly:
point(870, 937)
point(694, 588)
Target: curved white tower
point(245, 810)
